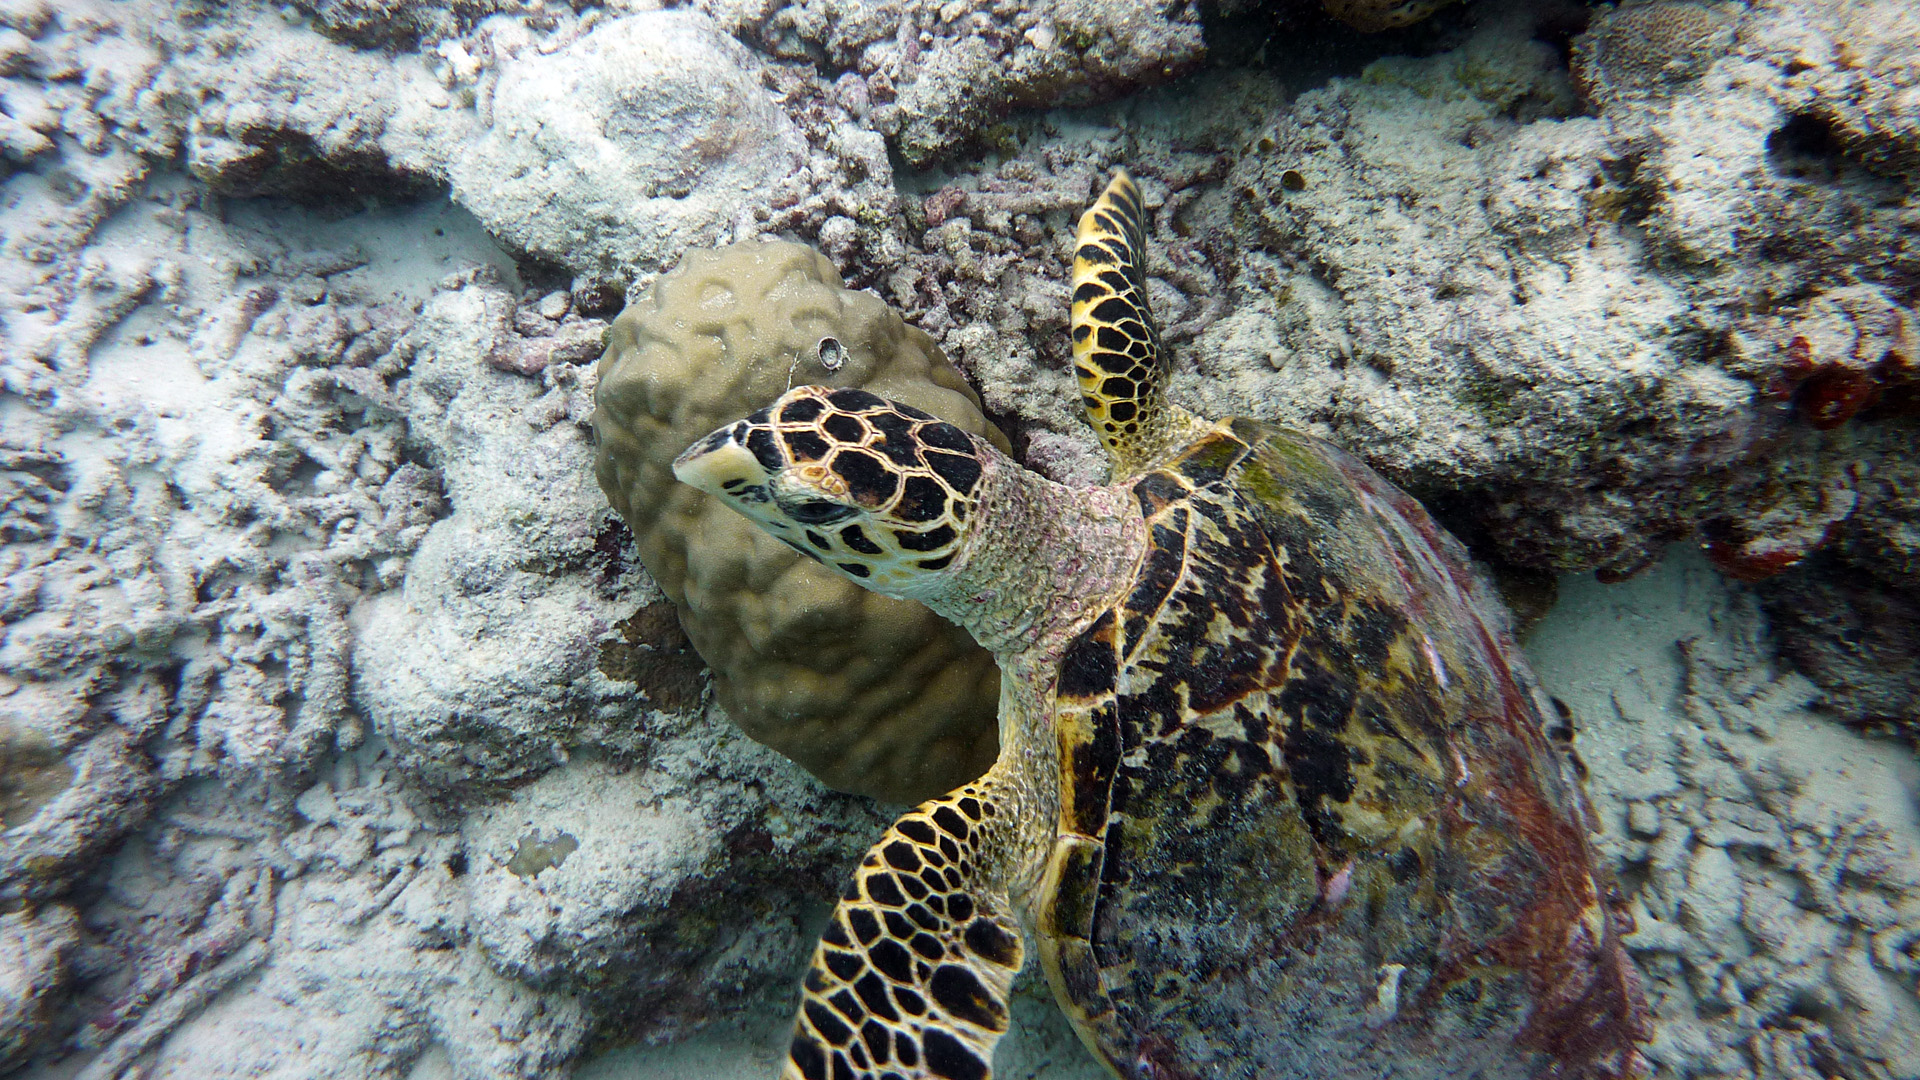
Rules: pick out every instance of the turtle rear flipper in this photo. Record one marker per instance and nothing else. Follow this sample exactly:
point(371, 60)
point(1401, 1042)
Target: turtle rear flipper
point(1117, 354)
point(911, 977)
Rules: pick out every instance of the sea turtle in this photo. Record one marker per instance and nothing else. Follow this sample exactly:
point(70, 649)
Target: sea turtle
point(1274, 796)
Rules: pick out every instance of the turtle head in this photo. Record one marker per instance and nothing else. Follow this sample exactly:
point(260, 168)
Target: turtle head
point(879, 491)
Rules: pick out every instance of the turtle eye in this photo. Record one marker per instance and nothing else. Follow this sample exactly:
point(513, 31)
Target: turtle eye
point(816, 511)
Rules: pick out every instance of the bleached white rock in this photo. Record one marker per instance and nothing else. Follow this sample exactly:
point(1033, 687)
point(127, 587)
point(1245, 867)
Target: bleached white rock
point(647, 135)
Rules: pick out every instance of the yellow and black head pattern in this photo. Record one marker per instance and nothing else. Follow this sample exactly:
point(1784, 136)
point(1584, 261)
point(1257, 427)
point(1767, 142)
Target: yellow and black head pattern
point(1117, 355)
point(880, 491)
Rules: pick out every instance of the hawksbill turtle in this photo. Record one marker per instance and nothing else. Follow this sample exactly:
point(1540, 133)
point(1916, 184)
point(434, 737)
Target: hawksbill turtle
point(1274, 797)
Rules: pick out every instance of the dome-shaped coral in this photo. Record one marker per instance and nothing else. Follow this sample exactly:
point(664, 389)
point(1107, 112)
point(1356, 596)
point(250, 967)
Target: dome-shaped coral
point(1643, 48)
point(871, 695)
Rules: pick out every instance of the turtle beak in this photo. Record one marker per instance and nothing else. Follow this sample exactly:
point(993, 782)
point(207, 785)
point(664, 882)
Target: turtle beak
point(719, 465)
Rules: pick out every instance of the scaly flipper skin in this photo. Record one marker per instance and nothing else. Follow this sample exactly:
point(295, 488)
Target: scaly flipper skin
point(1117, 355)
point(911, 977)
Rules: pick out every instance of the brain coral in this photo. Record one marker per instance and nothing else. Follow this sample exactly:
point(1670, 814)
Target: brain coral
point(1641, 48)
point(871, 695)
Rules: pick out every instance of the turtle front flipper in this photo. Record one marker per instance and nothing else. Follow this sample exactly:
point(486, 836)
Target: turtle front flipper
point(1117, 355)
point(911, 977)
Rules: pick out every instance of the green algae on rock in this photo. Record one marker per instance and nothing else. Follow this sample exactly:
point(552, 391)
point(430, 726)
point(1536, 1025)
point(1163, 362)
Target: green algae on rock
point(872, 695)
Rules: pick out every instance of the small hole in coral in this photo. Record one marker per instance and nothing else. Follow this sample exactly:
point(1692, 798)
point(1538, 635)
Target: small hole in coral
point(1805, 147)
point(1807, 1005)
point(831, 354)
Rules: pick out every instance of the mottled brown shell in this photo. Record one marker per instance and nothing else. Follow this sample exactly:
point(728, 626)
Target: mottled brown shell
point(1311, 824)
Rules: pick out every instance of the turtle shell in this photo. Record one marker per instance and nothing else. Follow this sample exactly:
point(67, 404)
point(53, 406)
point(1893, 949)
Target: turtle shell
point(1311, 821)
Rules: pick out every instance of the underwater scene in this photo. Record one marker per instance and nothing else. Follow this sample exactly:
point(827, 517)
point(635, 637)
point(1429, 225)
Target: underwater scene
point(895, 539)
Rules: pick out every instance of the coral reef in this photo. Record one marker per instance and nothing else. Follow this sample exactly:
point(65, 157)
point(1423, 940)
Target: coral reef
point(872, 695)
point(570, 164)
point(642, 893)
point(931, 74)
point(1850, 616)
point(35, 948)
point(396, 24)
point(1848, 351)
point(342, 901)
point(1664, 419)
point(32, 774)
point(1851, 71)
point(511, 455)
point(296, 502)
point(237, 436)
point(1647, 48)
point(1854, 634)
